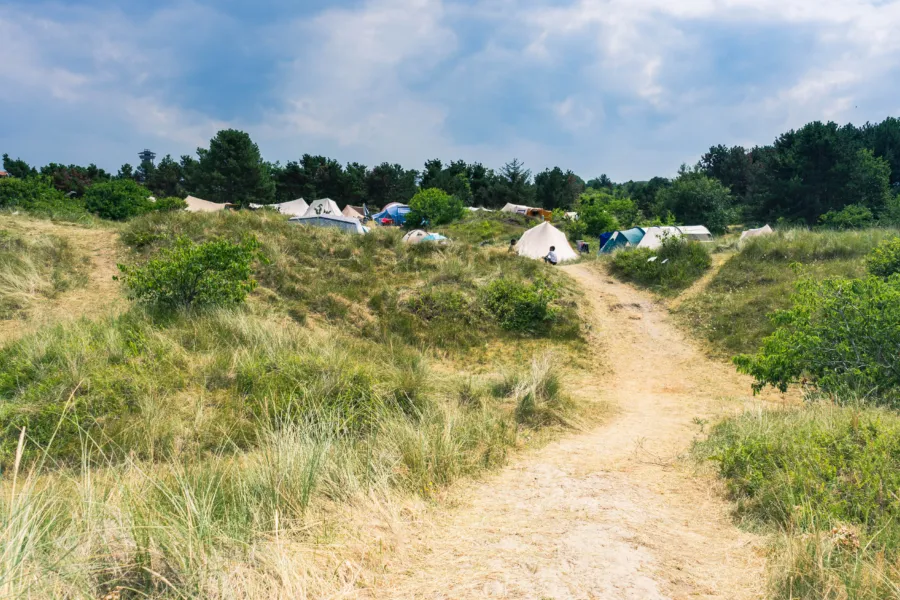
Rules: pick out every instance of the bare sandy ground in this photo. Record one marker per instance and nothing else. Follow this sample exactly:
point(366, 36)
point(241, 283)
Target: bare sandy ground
point(610, 513)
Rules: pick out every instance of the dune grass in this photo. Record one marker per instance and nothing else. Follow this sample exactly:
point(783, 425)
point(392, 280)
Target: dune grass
point(732, 312)
point(824, 478)
point(34, 267)
point(666, 270)
point(489, 228)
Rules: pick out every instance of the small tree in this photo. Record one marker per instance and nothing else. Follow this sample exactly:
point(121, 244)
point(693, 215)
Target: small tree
point(117, 200)
point(434, 207)
point(214, 273)
point(594, 215)
point(696, 199)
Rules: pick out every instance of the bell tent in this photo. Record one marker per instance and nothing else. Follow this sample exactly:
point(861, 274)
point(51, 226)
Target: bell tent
point(756, 232)
point(356, 212)
point(200, 205)
point(536, 242)
point(325, 206)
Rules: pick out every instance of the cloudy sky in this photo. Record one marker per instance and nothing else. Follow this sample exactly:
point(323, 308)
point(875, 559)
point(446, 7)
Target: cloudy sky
point(631, 88)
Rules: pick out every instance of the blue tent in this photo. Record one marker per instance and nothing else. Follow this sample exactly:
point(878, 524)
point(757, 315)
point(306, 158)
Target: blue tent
point(604, 237)
point(396, 212)
point(621, 239)
point(434, 237)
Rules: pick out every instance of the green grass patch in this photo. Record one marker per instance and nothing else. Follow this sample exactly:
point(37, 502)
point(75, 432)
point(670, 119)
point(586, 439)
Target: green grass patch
point(826, 478)
point(493, 228)
point(33, 267)
point(667, 270)
point(732, 312)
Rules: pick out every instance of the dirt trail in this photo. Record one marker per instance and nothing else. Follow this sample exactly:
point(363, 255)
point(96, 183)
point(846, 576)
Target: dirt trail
point(100, 246)
point(606, 514)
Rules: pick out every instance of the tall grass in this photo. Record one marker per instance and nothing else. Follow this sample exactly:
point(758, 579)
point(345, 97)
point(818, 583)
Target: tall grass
point(674, 266)
point(35, 267)
point(732, 312)
point(826, 478)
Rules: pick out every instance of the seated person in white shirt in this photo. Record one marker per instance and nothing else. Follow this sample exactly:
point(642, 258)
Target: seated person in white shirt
point(551, 256)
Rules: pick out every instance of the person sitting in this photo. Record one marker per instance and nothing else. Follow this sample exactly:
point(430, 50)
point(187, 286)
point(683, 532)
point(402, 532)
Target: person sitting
point(551, 256)
point(512, 246)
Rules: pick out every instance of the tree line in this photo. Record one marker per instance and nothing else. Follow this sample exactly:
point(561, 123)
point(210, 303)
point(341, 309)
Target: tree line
point(820, 173)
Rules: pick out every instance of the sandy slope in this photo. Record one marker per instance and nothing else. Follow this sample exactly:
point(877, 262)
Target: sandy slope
point(605, 514)
point(100, 295)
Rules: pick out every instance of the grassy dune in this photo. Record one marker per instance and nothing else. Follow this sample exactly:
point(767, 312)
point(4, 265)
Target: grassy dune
point(35, 267)
point(247, 452)
point(732, 312)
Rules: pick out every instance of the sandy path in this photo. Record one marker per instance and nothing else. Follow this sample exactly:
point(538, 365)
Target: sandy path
point(604, 514)
point(100, 295)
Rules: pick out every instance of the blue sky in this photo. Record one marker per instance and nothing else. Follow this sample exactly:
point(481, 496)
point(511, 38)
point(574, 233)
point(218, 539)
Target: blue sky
point(631, 88)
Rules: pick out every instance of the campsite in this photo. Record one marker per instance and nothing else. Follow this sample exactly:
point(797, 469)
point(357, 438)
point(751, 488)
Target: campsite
point(240, 371)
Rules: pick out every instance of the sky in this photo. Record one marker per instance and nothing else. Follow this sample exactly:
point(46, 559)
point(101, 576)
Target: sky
point(630, 88)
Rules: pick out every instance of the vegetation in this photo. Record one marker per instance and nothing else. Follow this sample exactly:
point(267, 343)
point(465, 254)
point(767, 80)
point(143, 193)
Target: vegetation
point(823, 476)
point(214, 273)
point(37, 197)
point(233, 171)
point(35, 267)
point(674, 266)
point(732, 311)
point(482, 227)
point(884, 260)
point(117, 200)
point(519, 306)
point(852, 216)
point(433, 207)
point(696, 199)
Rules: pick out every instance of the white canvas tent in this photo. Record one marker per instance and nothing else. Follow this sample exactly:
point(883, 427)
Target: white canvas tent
point(415, 236)
point(325, 206)
point(536, 242)
point(696, 233)
point(757, 232)
point(295, 208)
point(653, 237)
point(348, 224)
point(478, 209)
point(354, 212)
point(199, 205)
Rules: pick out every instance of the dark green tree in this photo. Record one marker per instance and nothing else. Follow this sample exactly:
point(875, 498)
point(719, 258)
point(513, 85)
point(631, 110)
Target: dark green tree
point(388, 183)
point(434, 207)
point(554, 189)
point(696, 199)
point(18, 167)
point(167, 178)
point(232, 170)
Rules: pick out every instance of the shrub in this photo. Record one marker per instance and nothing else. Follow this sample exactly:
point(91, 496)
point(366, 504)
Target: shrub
point(884, 260)
point(35, 195)
point(169, 203)
point(434, 207)
point(696, 199)
point(841, 335)
point(117, 200)
point(213, 273)
point(674, 266)
point(519, 306)
point(852, 216)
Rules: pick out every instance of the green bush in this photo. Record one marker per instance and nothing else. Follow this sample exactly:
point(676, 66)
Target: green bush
point(884, 260)
point(518, 306)
point(214, 273)
point(169, 203)
point(117, 200)
point(37, 196)
point(826, 477)
point(433, 207)
point(852, 216)
point(673, 267)
point(841, 336)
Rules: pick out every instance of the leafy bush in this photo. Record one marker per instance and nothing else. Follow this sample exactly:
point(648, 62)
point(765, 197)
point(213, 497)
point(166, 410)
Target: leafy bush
point(840, 335)
point(852, 216)
point(519, 306)
point(213, 273)
point(117, 200)
point(169, 203)
point(37, 196)
point(434, 207)
point(825, 476)
point(597, 213)
point(696, 199)
point(884, 260)
point(673, 267)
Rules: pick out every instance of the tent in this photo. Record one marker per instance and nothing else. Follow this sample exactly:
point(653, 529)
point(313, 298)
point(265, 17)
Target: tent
point(536, 242)
point(435, 237)
point(356, 212)
point(415, 236)
point(520, 209)
point(341, 222)
point(478, 209)
point(199, 205)
point(325, 206)
point(696, 233)
point(757, 232)
point(628, 238)
point(395, 212)
point(653, 236)
point(295, 208)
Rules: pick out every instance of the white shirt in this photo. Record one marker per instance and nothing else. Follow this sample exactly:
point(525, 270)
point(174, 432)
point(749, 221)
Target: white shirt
point(551, 256)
